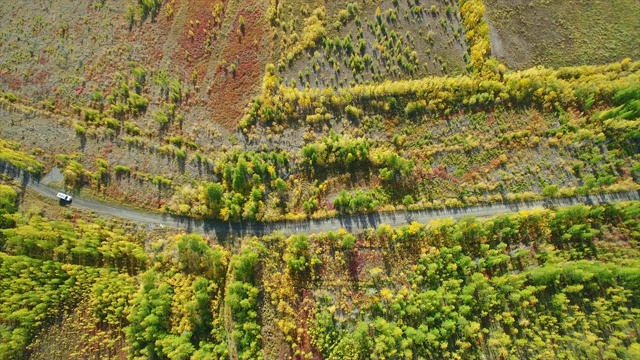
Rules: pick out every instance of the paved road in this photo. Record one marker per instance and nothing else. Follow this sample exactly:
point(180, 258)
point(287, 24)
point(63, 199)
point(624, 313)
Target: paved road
point(351, 223)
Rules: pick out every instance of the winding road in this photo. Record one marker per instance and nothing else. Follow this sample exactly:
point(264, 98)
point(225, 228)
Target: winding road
point(351, 223)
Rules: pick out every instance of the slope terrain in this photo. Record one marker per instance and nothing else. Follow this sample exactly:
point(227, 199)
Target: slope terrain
point(324, 119)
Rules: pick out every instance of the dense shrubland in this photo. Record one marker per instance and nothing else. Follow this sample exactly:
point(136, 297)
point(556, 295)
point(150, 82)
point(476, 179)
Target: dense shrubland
point(165, 300)
point(175, 313)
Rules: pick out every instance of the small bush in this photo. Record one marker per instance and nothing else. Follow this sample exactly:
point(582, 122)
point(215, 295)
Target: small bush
point(119, 109)
point(550, 190)
point(176, 141)
point(137, 103)
point(121, 170)
point(80, 130)
point(112, 123)
point(180, 154)
point(161, 117)
point(162, 181)
point(131, 129)
point(353, 113)
point(408, 200)
point(90, 115)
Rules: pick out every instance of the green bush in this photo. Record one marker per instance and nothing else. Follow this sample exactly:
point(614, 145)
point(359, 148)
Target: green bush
point(10, 152)
point(80, 130)
point(161, 118)
point(91, 115)
point(121, 170)
point(137, 103)
point(131, 128)
point(408, 200)
point(112, 123)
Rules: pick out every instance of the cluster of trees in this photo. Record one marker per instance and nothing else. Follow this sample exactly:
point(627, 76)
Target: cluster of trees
point(450, 308)
point(531, 285)
point(176, 313)
point(266, 108)
point(166, 305)
point(126, 100)
point(508, 286)
point(8, 205)
point(76, 175)
point(392, 165)
point(36, 292)
point(144, 10)
point(621, 123)
point(247, 180)
point(342, 151)
point(346, 152)
point(358, 201)
point(123, 100)
point(10, 152)
point(241, 298)
point(48, 267)
point(80, 244)
point(314, 31)
point(286, 268)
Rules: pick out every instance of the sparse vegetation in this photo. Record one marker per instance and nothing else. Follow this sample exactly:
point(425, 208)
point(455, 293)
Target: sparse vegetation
point(523, 43)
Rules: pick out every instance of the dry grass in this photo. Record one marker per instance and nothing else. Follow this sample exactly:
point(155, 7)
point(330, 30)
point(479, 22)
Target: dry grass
point(563, 33)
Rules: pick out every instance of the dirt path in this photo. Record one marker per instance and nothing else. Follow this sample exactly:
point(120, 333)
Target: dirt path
point(351, 223)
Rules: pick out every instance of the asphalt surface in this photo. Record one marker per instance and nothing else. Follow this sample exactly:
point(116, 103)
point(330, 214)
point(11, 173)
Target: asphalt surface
point(351, 223)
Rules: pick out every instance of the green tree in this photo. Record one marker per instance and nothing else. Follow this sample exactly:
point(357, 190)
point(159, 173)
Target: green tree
point(8, 200)
point(240, 175)
point(297, 254)
point(195, 256)
point(149, 317)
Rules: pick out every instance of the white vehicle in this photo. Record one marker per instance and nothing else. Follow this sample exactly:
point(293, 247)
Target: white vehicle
point(64, 198)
